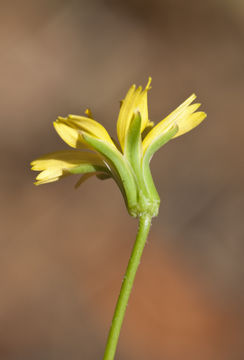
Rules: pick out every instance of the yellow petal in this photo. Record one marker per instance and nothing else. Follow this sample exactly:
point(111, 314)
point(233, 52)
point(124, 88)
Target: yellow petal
point(70, 135)
point(189, 123)
point(49, 174)
point(143, 107)
point(185, 118)
point(135, 100)
point(65, 160)
point(56, 165)
point(90, 127)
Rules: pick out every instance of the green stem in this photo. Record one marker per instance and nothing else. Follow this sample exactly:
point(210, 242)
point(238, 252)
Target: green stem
point(119, 313)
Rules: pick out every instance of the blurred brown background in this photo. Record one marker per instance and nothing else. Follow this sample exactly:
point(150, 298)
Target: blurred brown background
point(63, 252)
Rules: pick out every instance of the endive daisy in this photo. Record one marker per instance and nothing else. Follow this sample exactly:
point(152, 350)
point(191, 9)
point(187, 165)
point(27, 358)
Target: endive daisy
point(127, 162)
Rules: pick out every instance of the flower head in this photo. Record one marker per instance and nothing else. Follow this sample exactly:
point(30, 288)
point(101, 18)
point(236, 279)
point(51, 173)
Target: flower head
point(128, 164)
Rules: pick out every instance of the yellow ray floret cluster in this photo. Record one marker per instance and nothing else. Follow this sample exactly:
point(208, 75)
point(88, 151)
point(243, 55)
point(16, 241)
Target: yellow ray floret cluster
point(135, 100)
point(63, 163)
point(97, 154)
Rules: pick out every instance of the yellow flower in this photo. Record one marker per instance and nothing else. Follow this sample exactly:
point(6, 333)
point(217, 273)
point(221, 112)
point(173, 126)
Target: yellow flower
point(127, 163)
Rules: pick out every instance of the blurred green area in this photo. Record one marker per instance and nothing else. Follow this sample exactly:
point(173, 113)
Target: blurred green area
point(64, 251)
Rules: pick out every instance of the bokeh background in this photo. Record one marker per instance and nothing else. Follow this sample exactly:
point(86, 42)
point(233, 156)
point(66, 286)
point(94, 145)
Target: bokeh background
point(63, 252)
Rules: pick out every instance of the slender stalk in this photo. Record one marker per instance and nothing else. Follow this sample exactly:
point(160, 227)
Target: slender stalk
point(119, 313)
